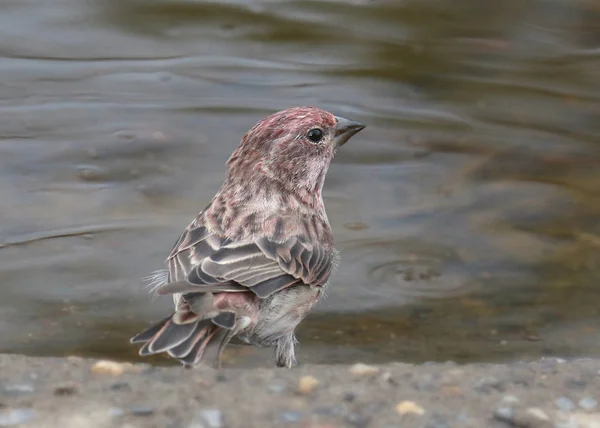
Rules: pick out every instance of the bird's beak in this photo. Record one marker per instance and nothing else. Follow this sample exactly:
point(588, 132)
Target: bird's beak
point(344, 130)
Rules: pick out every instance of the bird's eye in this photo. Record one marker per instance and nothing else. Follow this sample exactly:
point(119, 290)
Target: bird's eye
point(315, 135)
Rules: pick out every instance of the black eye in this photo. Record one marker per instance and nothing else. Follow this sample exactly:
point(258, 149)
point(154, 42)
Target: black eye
point(315, 135)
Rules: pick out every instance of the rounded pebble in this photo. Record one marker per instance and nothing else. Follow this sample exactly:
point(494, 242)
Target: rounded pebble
point(349, 396)
point(357, 420)
point(116, 412)
point(15, 417)
point(510, 399)
point(538, 413)
point(290, 416)
point(409, 407)
point(18, 389)
point(487, 384)
point(109, 367)
point(277, 386)
point(142, 410)
point(65, 390)
point(588, 403)
point(360, 369)
point(505, 414)
point(307, 384)
point(212, 417)
point(565, 404)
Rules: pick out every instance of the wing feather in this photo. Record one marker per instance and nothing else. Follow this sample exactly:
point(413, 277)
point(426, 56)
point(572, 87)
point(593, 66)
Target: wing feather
point(203, 262)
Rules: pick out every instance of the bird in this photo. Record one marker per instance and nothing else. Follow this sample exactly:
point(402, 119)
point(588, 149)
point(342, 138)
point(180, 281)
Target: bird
point(253, 263)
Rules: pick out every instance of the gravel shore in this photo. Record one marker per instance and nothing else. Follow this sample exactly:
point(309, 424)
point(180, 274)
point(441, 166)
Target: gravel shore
point(74, 392)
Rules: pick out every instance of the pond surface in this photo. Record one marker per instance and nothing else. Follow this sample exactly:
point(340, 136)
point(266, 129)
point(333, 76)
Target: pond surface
point(467, 213)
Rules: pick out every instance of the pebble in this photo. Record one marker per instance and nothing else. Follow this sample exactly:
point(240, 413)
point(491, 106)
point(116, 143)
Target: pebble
point(65, 390)
point(290, 416)
point(588, 403)
point(115, 412)
point(213, 418)
point(307, 384)
point(19, 389)
point(487, 384)
point(142, 410)
point(349, 396)
point(565, 404)
point(277, 386)
point(504, 414)
point(360, 369)
point(120, 386)
point(15, 417)
point(575, 383)
point(538, 414)
point(437, 421)
point(510, 399)
point(328, 410)
point(426, 383)
point(357, 420)
point(111, 367)
point(409, 407)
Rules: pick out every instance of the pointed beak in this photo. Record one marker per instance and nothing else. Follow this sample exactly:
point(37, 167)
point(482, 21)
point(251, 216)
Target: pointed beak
point(345, 129)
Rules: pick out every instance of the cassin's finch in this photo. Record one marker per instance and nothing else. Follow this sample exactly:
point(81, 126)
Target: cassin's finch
point(254, 262)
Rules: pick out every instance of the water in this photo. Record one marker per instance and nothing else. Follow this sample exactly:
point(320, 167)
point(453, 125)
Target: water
point(466, 213)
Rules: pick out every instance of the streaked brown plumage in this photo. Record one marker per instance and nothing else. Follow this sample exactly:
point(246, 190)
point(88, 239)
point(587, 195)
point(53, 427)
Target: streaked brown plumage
point(254, 262)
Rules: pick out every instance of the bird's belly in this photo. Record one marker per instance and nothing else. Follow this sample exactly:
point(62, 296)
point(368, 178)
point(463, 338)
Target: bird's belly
point(281, 313)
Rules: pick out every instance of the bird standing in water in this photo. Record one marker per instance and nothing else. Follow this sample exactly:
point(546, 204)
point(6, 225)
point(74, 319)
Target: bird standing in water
point(254, 262)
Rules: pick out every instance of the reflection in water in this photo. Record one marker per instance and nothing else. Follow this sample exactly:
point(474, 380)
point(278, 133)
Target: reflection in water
point(467, 214)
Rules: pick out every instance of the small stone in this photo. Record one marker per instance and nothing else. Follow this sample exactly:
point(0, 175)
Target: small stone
point(575, 383)
point(15, 417)
point(387, 378)
point(111, 367)
point(504, 414)
point(213, 418)
point(290, 416)
point(277, 386)
point(65, 390)
point(538, 414)
point(588, 404)
point(307, 384)
point(510, 399)
point(488, 384)
point(357, 420)
point(565, 404)
point(349, 396)
point(584, 420)
point(409, 407)
point(329, 410)
point(426, 383)
point(437, 421)
point(360, 369)
point(19, 389)
point(142, 410)
point(120, 386)
point(115, 412)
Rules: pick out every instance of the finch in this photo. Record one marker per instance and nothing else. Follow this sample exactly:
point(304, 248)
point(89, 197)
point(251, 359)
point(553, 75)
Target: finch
point(253, 263)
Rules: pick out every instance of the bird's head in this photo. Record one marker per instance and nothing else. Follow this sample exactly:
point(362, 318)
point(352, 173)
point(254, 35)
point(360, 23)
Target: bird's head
point(292, 147)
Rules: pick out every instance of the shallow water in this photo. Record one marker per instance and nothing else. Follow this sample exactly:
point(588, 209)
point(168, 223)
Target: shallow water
point(466, 213)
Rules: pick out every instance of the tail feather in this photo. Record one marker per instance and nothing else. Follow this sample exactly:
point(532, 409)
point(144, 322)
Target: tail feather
point(183, 350)
point(185, 335)
point(171, 335)
point(195, 355)
point(149, 333)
